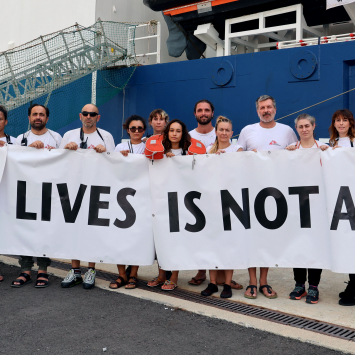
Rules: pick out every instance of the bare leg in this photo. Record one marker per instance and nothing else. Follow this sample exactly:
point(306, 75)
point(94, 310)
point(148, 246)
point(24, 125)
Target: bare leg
point(157, 281)
point(263, 281)
point(228, 276)
point(75, 264)
point(252, 281)
point(122, 273)
point(214, 276)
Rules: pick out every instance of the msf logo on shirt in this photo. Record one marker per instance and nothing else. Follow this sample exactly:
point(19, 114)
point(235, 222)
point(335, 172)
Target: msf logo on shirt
point(274, 143)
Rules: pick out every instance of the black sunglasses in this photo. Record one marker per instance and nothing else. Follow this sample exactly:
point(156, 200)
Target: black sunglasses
point(91, 114)
point(135, 129)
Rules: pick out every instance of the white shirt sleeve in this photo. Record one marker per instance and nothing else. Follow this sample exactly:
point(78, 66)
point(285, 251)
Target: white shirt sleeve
point(19, 139)
point(292, 137)
point(242, 140)
point(110, 145)
point(64, 141)
point(58, 138)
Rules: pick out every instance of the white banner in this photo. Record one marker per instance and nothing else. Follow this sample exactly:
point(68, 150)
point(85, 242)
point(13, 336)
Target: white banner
point(76, 205)
point(339, 177)
point(233, 211)
point(334, 3)
point(241, 210)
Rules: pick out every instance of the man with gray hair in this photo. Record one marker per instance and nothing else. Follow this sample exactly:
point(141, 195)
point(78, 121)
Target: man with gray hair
point(267, 134)
point(264, 136)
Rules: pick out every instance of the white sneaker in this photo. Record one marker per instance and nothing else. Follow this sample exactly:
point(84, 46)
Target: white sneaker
point(89, 279)
point(72, 279)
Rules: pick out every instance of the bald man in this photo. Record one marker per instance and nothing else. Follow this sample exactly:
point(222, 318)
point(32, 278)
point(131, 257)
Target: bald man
point(86, 137)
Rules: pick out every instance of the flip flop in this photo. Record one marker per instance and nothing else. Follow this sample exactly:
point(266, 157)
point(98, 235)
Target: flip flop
point(196, 282)
point(167, 283)
point(234, 285)
point(269, 291)
point(253, 289)
point(158, 282)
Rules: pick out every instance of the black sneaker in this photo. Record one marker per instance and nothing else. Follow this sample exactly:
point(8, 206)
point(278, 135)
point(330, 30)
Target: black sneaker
point(227, 291)
point(347, 292)
point(211, 288)
point(298, 292)
point(348, 296)
point(313, 295)
point(72, 279)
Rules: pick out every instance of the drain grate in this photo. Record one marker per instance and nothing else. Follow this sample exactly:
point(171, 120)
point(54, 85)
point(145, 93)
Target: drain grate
point(237, 307)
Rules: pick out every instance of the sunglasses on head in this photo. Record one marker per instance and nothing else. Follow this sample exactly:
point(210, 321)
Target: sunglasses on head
point(135, 129)
point(91, 114)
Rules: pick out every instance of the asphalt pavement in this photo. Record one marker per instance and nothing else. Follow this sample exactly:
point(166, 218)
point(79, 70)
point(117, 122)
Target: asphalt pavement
point(78, 321)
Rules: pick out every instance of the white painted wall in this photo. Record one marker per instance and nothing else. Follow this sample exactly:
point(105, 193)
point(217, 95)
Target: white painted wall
point(25, 20)
point(136, 11)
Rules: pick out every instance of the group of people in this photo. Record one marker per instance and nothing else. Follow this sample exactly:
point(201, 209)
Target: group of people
point(265, 135)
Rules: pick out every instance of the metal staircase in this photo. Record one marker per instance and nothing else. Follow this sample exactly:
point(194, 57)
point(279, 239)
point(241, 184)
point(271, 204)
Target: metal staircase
point(46, 64)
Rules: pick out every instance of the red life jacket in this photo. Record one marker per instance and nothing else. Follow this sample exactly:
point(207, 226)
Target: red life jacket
point(154, 148)
point(196, 147)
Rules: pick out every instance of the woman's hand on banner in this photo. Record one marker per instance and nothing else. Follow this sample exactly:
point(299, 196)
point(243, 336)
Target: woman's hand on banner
point(169, 155)
point(324, 147)
point(124, 153)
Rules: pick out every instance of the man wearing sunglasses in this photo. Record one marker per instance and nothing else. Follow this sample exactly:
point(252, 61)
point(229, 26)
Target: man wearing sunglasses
point(86, 137)
point(89, 136)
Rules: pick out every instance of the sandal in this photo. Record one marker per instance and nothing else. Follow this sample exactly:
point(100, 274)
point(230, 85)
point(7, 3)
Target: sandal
point(117, 284)
point(234, 285)
point(157, 282)
point(269, 291)
point(196, 282)
point(45, 282)
point(20, 281)
point(132, 283)
point(169, 283)
point(253, 289)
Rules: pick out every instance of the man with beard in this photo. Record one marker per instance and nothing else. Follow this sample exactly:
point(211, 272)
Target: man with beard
point(86, 137)
point(205, 132)
point(39, 136)
point(264, 136)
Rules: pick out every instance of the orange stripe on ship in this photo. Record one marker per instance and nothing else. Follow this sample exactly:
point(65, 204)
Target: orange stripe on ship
point(193, 7)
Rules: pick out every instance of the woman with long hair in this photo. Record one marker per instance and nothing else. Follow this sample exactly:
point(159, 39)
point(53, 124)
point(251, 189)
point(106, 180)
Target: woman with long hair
point(135, 127)
point(176, 141)
point(305, 126)
point(342, 135)
point(224, 133)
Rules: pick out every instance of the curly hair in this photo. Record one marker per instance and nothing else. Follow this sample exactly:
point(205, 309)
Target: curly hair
point(185, 141)
point(334, 135)
point(134, 118)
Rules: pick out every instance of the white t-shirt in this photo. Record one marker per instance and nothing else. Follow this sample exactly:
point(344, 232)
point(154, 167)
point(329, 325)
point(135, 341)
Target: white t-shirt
point(231, 149)
point(132, 148)
point(316, 144)
point(177, 152)
point(93, 139)
point(12, 139)
point(206, 138)
point(264, 139)
point(49, 139)
point(345, 142)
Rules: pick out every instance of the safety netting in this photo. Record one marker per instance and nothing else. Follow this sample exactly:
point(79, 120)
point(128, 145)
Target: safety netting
point(66, 70)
